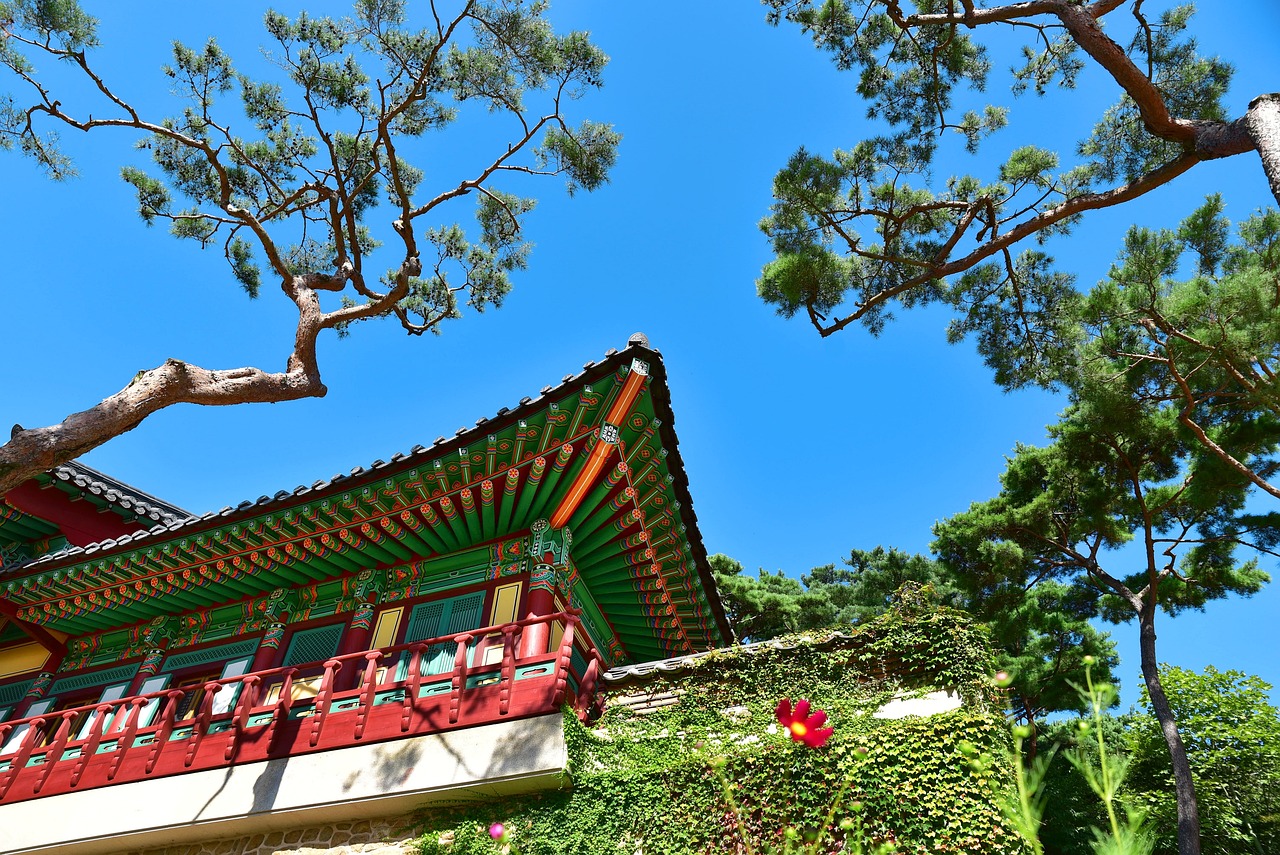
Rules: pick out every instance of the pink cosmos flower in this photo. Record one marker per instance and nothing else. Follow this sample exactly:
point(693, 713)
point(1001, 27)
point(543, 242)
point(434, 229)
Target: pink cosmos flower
point(497, 830)
point(802, 725)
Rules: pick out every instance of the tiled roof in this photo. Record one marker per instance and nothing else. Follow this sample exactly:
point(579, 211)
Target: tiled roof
point(181, 521)
point(626, 676)
point(170, 526)
point(118, 494)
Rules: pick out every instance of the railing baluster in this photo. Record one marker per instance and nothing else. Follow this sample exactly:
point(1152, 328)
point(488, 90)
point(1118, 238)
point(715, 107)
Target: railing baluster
point(240, 717)
point(168, 717)
point(321, 711)
point(126, 738)
point(19, 761)
point(507, 680)
point(201, 724)
point(98, 724)
point(54, 752)
point(563, 657)
point(459, 681)
point(283, 702)
point(587, 688)
point(414, 683)
point(89, 748)
point(368, 690)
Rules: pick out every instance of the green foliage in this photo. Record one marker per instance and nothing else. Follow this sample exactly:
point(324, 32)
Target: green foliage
point(1024, 807)
point(332, 143)
point(766, 606)
point(868, 584)
point(651, 781)
point(870, 229)
point(1204, 348)
point(772, 604)
point(905, 81)
point(1043, 638)
point(1074, 807)
point(1138, 505)
point(1117, 469)
point(1192, 86)
point(467, 838)
point(584, 156)
point(1040, 636)
point(1232, 735)
point(1076, 811)
point(1104, 772)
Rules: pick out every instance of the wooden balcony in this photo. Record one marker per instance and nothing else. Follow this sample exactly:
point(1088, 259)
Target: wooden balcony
point(350, 700)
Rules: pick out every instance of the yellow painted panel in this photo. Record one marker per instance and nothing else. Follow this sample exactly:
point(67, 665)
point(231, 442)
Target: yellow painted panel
point(506, 603)
point(21, 659)
point(557, 635)
point(384, 632)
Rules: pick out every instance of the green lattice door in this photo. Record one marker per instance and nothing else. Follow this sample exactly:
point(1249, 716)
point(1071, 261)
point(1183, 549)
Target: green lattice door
point(313, 645)
point(437, 618)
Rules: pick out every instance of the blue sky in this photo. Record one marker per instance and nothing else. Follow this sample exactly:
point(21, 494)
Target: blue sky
point(797, 448)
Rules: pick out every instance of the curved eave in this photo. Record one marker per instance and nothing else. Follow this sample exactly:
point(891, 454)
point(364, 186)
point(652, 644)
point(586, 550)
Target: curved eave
point(103, 491)
point(646, 566)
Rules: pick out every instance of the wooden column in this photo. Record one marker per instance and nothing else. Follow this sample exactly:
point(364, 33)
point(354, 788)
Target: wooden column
point(356, 640)
point(268, 655)
point(39, 687)
point(536, 639)
point(149, 668)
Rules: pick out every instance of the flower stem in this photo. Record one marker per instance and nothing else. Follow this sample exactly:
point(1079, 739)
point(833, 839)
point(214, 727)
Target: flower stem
point(812, 848)
point(733, 806)
point(1095, 700)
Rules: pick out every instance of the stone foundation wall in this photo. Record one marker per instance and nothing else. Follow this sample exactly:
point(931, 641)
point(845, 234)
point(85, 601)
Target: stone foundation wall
point(391, 836)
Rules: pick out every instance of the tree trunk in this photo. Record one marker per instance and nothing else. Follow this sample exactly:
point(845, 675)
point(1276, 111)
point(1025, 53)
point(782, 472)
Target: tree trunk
point(1263, 122)
point(1184, 786)
point(1032, 741)
point(32, 451)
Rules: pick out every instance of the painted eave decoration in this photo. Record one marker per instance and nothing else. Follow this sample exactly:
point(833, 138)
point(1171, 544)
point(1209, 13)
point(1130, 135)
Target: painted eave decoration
point(594, 457)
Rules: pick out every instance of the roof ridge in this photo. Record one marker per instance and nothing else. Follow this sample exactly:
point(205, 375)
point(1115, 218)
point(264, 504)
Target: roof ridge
point(126, 495)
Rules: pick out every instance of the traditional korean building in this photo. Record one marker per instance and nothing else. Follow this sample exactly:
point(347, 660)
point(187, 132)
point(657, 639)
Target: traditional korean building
point(402, 636)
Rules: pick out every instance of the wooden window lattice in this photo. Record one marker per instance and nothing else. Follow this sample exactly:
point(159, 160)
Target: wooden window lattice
point(97, 678)
point(443, 617)
point(313, 645)
point(14, 692)
point(221, 653)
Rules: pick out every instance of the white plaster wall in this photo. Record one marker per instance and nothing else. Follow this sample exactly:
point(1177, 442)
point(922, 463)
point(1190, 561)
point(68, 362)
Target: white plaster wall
point(925, 705)
point(332, 786)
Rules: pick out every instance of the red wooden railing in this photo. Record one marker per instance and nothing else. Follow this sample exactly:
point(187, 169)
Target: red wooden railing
point(125, 740)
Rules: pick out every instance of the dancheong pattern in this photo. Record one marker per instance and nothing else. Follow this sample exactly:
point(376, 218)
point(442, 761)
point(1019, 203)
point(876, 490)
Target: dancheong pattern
point(619, 498)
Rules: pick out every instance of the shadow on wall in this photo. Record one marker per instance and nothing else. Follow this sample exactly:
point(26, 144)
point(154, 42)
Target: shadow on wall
point(267, 785)
point(470, 758)
point(522, 747)
point(393, 763)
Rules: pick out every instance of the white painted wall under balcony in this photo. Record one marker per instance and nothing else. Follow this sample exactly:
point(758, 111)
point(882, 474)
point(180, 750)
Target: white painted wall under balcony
point(333, 786)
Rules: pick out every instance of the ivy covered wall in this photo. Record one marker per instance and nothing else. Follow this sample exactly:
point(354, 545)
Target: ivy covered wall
point(651, 782)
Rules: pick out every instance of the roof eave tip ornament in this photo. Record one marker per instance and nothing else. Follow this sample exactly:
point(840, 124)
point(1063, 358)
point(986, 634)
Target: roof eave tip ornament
point(638, 338)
